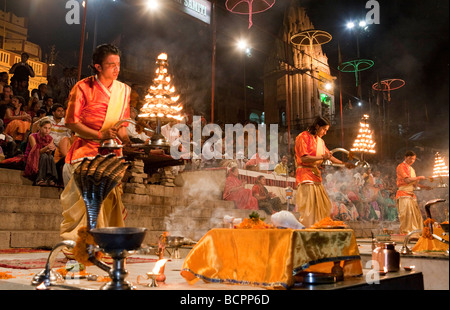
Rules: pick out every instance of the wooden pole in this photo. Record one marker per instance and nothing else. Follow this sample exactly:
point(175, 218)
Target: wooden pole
point(83, 26)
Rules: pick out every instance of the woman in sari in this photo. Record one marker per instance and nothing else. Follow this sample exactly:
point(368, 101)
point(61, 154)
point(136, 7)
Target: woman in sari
point(235, 191)
point(17, 121)
point(40, 164)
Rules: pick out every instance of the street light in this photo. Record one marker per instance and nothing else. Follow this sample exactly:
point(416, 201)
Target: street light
point(152, 4)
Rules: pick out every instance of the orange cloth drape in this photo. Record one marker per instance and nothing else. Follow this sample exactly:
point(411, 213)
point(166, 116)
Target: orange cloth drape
point(269, 257)
point(431, 245)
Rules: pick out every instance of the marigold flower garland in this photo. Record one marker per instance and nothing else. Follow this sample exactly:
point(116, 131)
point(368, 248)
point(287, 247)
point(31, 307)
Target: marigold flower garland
point(80, 252)
point(254, 222)
point(426, 233)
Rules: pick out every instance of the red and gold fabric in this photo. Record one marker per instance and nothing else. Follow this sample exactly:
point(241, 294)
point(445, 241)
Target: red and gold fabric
point(405, 171)
point(308, 144)
point(409, 213)
point(98, 108)
point(270, 258)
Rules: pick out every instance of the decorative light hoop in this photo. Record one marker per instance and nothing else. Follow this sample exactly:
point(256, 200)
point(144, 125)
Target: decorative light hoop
point(356, 65)
point(388, 85)
point(248, 7)
point(311, 37)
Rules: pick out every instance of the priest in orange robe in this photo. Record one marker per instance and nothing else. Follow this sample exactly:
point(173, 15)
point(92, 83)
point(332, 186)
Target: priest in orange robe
point(408, 210)
point(312, 200)
point(95, 105)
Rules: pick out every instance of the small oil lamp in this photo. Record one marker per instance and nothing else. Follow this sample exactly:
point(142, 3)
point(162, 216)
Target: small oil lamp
point(409, 268)
point(157, 273)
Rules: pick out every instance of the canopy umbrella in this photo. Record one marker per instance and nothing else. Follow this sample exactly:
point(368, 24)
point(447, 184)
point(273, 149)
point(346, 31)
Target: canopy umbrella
point(248, 7)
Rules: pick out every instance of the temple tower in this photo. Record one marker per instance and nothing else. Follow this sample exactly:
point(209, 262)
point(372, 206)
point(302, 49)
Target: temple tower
point(297, 80)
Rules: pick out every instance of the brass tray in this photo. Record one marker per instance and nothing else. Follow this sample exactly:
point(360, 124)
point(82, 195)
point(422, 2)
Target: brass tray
point(315, 278)
point(331, 227)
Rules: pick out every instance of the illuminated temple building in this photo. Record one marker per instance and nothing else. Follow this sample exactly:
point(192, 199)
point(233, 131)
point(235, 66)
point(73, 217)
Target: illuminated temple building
point(304, 85)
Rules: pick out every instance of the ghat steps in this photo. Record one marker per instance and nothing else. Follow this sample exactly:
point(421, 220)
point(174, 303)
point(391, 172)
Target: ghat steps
point(30, 215)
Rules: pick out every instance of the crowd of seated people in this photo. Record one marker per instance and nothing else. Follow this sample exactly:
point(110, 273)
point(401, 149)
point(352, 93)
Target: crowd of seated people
point(360, 194)
point(33, 137)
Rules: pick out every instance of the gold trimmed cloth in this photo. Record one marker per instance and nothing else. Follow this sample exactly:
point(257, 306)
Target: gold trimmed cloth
point(409, 214)
point(112, 211)
point(269, 258)
point(313, 203)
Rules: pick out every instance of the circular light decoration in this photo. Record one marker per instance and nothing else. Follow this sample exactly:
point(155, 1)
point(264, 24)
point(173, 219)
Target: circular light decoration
point(311, 37)
point(248, 7)
point(356, 66)
point(388, 85)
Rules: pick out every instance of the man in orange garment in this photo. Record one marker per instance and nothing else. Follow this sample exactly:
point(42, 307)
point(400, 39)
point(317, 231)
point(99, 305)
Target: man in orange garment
point(95, 105)
point(312, 200)
point(408, 209)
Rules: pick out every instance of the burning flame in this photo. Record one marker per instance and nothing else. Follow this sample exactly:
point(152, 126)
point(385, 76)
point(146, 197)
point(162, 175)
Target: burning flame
point(440, 169)
point(158, 265)
point(41, 287)
point(363, 142)
point(161, 100)
point(162, 56)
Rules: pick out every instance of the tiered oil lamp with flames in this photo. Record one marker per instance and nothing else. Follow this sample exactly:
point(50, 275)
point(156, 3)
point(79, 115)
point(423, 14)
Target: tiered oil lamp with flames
point(161, 102)
point(364, 143)
point(440, 170)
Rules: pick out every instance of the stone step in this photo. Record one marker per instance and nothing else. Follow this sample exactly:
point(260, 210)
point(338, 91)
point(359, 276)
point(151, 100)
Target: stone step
point(13, 177)
point(30, 221)
point(29, 239)
point(17, 190)
point(30, 205)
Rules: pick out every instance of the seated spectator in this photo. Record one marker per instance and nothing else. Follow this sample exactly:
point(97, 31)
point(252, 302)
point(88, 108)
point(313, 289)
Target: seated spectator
point(22, 90)
point(59, 129)
point(256, 162)
point(267, 201)
point(136, 133)
point(39, 115)
point(7, 143)
point(47, 105)
point(17, 121)
point(4, 77)
point(33, 107)
point(60, 155)
point(235, 191)
point(281, 168)
point(5, 100)
point(39, 162)
point(41, 94)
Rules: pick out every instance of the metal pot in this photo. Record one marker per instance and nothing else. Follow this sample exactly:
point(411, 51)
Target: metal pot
point(387, 257)
point(175, 241)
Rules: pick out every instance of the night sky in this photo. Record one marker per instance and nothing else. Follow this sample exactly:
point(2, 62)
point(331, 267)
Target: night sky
point(410, 43)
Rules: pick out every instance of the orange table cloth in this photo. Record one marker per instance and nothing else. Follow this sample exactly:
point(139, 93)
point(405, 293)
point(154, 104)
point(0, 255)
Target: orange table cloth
point(270, 258)
point(432, 245)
